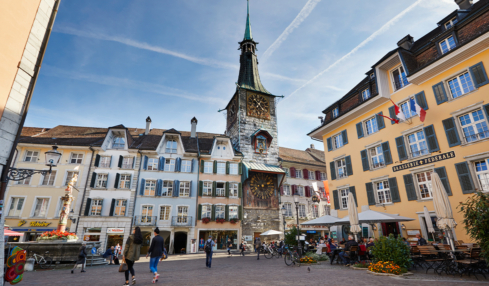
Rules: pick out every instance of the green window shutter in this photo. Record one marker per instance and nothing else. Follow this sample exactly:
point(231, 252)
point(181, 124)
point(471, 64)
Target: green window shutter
point(94, 178)
point(392, 114)
point(330, 144)
point(227, 189)
point(214, 186)
point(332, 170)
point(365, 164)
point(215, 167)
point(394, 190)
point(201, 188)
point(352, 190)
point(360, 130)
point(344, 135)
point(87, 207)
point(336, 200)
point(121, 158)
point(97, 160)
point(117, 178)
point(227, 167)
point(112, 207)
point(240, 190)
point(410, 190)
point(465, 178)
point(401, 148)
point(202, 166)
point(226, 213)
point(370, 194)
point(430, 134)
point(421, 100)
point(240, 168)
point(440, 93)
point(240, 212)
point(387, 153)
point(349, 168)
point(442, 173)
point(213, 214)
point(451, 131)
point(380, 121)
point(479, 75)
point(199, 212)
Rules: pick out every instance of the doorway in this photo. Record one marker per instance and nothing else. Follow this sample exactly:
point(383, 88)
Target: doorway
point(391, 227)
point(180, 242)
point(113, 240)
point(146, 242)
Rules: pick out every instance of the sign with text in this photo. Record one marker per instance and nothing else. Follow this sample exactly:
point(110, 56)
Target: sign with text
point(421, 162)
point(115, 230)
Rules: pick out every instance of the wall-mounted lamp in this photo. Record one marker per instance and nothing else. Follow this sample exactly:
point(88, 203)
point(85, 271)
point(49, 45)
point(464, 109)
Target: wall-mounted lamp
point(374, 227)
point(403, 226)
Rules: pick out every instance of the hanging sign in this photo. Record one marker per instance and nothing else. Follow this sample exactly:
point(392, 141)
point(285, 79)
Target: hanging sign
point(421, 162)
point(315, 199)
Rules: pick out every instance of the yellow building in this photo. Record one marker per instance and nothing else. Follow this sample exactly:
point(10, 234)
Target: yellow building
point(388, 166)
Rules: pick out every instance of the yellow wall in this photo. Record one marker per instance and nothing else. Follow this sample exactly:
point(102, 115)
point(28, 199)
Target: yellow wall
point(435, 115)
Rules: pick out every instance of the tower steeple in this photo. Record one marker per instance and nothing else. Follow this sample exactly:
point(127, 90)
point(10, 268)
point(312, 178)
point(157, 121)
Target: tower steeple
point(248, 35)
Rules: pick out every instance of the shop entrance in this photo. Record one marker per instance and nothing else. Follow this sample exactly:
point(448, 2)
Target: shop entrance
point(166, 237)
point(391, 227)
point(180, 242)
point(114, 239)
point(146, 242)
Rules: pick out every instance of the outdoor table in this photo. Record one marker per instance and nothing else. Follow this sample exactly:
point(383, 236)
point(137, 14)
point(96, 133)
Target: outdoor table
point(447, 265)
point(336, 252)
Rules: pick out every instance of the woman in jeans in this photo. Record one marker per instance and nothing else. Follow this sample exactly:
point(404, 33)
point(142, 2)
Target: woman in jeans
point(132, 252)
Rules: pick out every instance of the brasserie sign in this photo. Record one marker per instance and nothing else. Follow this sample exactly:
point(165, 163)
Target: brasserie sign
point(421, 162)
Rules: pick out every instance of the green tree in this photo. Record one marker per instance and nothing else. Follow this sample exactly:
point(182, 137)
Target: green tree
point(476, 217)
point(290, 237)
point(391, 249)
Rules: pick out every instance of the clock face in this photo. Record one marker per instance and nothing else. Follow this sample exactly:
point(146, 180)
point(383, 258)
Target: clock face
point(262, 186)
point(258, 106)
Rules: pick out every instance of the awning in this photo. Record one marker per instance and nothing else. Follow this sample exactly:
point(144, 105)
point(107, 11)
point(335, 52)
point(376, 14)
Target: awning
point(326, 220)
point(8, 232)
point(372, 217)
point(271, 232)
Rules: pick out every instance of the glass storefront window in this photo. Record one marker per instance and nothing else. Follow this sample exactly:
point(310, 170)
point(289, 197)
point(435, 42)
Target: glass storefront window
point(220, 237)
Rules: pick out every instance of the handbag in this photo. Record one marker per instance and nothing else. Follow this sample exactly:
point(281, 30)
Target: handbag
point(123, 267)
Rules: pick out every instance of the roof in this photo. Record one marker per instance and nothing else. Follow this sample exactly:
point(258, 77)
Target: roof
point(310, 156)
point(263, 167)
point(248, 35)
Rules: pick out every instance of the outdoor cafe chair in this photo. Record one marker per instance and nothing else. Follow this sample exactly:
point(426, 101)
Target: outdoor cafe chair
point(473, 264)
point(430, 257)
point(416, 257)
point(353, 254)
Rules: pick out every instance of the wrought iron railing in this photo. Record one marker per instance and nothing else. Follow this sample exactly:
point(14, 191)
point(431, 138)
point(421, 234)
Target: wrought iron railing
point(145, 220)
point(181, 221)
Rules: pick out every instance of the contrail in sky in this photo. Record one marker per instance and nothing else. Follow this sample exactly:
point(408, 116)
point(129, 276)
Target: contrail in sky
point(362, 44)
point(303, 14)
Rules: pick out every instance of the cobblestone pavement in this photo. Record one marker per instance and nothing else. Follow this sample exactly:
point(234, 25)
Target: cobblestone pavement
point(235, 270)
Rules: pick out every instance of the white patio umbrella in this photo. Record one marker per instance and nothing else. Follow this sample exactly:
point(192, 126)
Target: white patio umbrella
point(372, 217)
point(443, 207)
point(429, 223)
point(271, 232)
point(353, 214)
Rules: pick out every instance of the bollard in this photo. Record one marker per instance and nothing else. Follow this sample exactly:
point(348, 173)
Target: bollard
point(29, 264)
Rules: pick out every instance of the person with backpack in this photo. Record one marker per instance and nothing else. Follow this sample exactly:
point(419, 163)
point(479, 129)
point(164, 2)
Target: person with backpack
point(131, 253)
point(156, 250)
point(258, 246)
point(208, 246)
point(82, 255)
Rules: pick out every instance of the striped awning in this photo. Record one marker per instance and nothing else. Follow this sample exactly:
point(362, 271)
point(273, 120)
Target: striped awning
point(264, 168)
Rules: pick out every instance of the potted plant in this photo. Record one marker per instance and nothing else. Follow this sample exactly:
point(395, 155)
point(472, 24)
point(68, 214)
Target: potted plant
point(206, 220)
point(234, 221)
point(220, 220)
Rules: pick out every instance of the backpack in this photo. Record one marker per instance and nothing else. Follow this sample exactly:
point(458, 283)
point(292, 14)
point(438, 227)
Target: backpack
point(208, 246)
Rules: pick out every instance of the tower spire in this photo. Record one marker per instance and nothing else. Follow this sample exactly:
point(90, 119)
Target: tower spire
point(248, 35)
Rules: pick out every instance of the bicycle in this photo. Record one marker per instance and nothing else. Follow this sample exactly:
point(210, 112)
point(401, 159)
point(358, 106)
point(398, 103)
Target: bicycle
point(43, 262)
point(292, 257)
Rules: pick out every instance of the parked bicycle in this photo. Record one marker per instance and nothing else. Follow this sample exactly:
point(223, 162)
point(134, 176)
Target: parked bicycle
point(43, 262)
point(270, 252)
point(292, 257)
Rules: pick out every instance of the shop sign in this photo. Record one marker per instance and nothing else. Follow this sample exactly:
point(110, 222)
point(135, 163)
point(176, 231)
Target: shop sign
point(421, 162)
point(248, 238)
point(315, 199)
point(115, 230)
point(303, 227)
point(34, 223)
point(311, 231)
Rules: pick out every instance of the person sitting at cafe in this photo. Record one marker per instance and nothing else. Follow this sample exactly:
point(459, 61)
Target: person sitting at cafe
point(332, 244)
point(320, 247)
point(442, 239)
point(406, 242)
point(343, 241)
point(421, 241)
point(345, 254)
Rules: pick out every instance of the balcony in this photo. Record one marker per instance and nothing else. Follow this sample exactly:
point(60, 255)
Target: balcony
point(145, 220)
point(181, 221)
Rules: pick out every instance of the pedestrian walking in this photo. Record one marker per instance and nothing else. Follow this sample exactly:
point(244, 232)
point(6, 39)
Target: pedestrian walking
point(156, 251)
point(258, 246)
point(82, 255)
point(230, 244)
point(208, 248)
point(131, 253)
point(242, 247)
point(117, 250)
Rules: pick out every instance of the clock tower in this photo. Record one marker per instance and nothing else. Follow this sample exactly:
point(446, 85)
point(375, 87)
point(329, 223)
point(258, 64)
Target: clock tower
point(252, 127)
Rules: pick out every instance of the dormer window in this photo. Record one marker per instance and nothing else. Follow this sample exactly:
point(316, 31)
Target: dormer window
point(399, 78)
point(261, 144)
point(447, 45)
point(336, 112)
point(365, 94)
point(171, 146)
point(119, 143)
point(451, 23)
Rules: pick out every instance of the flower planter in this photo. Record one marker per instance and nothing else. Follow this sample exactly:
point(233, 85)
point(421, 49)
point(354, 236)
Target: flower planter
point(358, 268)
point(389, 274)
point(56, 240)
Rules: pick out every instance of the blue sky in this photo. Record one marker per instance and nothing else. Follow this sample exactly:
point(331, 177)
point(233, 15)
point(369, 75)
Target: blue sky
point(116, 62)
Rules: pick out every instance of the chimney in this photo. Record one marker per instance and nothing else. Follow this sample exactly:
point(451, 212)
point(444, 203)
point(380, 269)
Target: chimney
point(193, 130)
point(148, 125)
point(406, 42)
point(312, 146)
point(464, 4)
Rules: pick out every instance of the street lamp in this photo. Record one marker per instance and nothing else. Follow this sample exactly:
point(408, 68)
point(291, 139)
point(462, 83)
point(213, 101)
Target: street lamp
point(52, 160)
point(283, 210)
point(296, 201)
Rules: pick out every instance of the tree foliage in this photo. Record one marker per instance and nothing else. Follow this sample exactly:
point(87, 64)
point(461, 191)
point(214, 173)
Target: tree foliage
point(476, 217)
point(290, 237)
point(391, 249)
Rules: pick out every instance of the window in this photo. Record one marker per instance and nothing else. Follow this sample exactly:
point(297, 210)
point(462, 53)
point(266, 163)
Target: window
point(208, 167)
point(288, 209)
point(59, 208)
point(233, 189)
point(377, 157)
point(300, 190)
point(323, 176)
point(383, 192)
point(184, 189)
point(119, 143)
point(125, 181)
point(298, 174)
point(424, 184)
point(165, 212)
point(312, 175)
point(451, 23)
point(146, 214)
point(327, 210)
point(341, 168)
point(48, 179)
point(474, 126)
point(167, 189)
point(287, 172)
point(69, 177)
point(220, 190)
point(482, 174)
point(344, 198)
point(206, 211)
point(182, 214)
point(101, 181)
point(338, 141)
point(207, 189)
point(417, 144)
point(365, 94)
point(25, 181)
point(371, 125)
point(336, 112)
point(16, 207)
point(76, 158)
point(233, 169)
point(221, 167)
point(399, 77)
point(302, 210)
point(186, 166)
point(96, 207)
point(31, 156)
point(460, 85)
point(120, 207)
point(233, 212)
point(104, 162)
point(152, 164)
point(406, 109)
point(315, 211)
point(287, 190)
point(171, 146)
point(127, 163)
point(170, 165)
point(219, 212)
point(447, 45)
point(149, 188)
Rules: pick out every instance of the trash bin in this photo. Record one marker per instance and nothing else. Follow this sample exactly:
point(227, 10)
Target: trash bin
point(29, 264)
